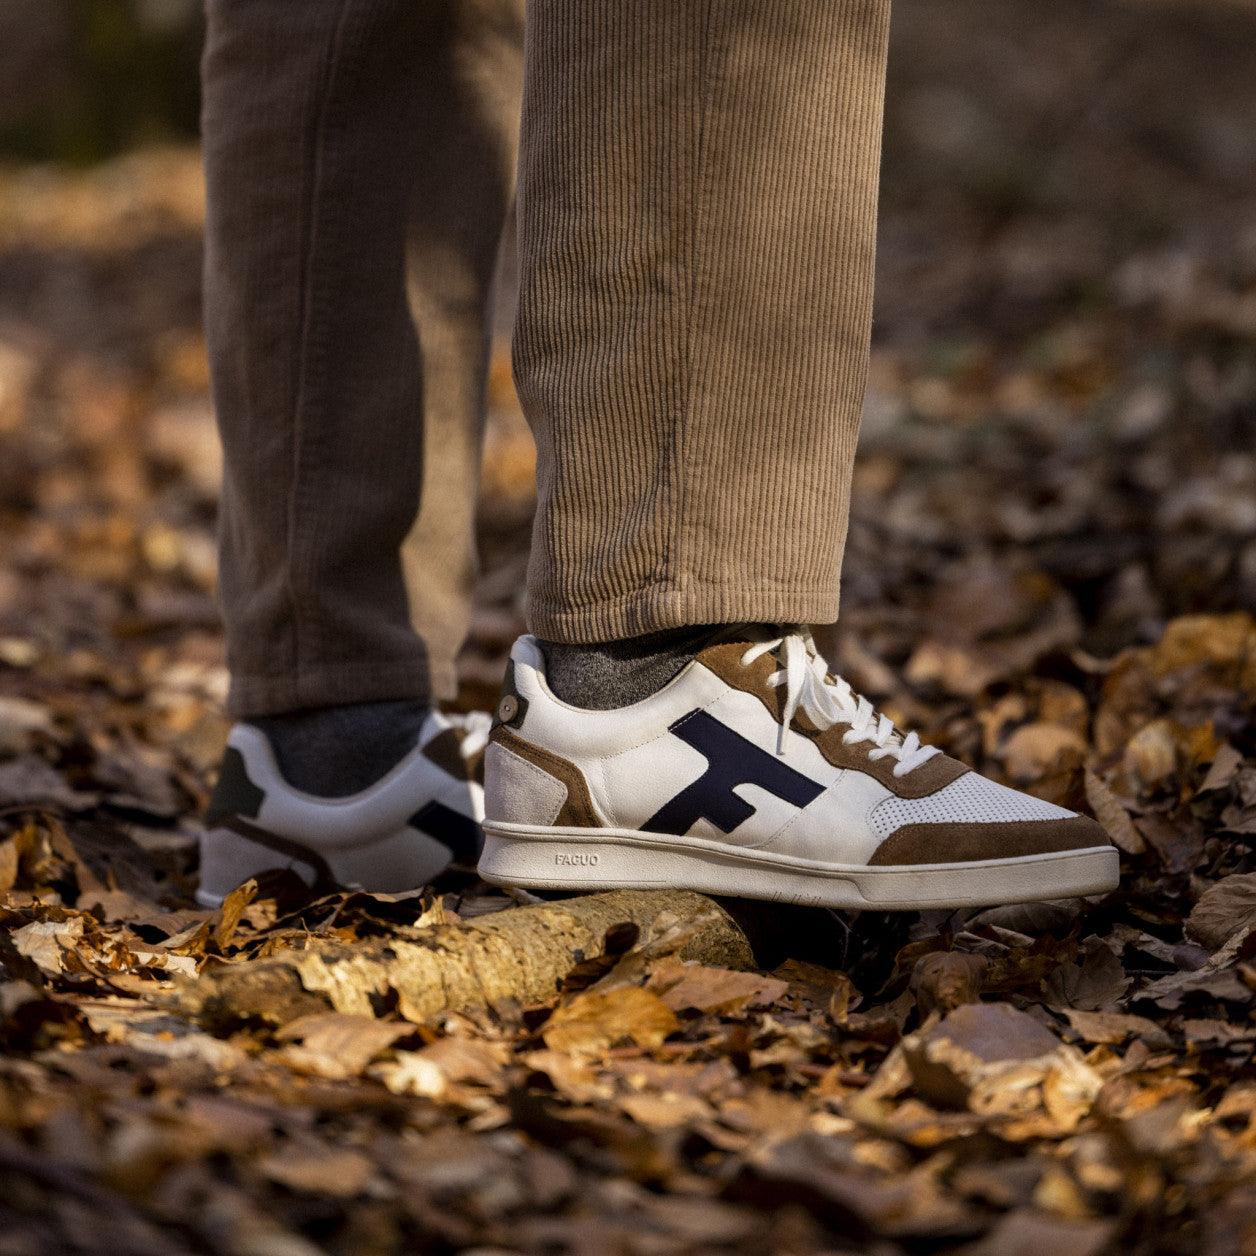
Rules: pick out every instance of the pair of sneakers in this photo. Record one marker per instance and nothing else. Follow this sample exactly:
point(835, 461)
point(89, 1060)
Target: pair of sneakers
point(754, 773)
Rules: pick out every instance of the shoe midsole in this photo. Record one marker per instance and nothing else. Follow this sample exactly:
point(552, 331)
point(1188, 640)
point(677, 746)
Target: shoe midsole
point(571, 858)
point(392, 863)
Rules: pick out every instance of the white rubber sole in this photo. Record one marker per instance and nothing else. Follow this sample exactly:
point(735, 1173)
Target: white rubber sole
point(393, 864)
point(532, 857)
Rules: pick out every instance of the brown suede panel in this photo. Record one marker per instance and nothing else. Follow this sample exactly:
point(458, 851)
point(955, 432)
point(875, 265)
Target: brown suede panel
point(577, 811)
point(931, 776)
point(445, 751)
point(964, 843)
point(725, 661)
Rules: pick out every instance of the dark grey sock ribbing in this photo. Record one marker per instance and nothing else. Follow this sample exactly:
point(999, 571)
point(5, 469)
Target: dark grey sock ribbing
point(608, 674)
point(334, 751)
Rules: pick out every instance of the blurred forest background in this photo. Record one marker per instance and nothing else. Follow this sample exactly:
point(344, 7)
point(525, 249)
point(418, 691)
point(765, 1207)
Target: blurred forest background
point(1052, 573)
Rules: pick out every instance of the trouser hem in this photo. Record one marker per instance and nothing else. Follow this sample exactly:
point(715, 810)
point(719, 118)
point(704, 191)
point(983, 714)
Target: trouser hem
point(665, 606)
point(252, 695)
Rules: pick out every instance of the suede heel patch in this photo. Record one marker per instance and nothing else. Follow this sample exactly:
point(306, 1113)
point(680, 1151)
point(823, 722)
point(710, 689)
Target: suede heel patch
point(577, 811)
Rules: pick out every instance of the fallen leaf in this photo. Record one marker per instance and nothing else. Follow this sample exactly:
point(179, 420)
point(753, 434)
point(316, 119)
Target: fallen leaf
point(1098, 983)
point(45, 942)
point(665, 1111)
point(1116, 1027)
point(9, 864)
point(570, 1075)
point(1036, 750)
point(333, 1044)
point(229, 913)
point(1223, 909)
point(593, 1021)
point(943, 980)
point(29, 780)
point(1223, 770)
point(716, 989)
point(319, 1170)
point(445, 1062)
point(22, 723)
point(1027, 1232)
point(1112, 815)
point(997, 1060)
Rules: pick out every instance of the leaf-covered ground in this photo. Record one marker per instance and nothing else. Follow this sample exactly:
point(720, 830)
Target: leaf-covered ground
point(1052, 573)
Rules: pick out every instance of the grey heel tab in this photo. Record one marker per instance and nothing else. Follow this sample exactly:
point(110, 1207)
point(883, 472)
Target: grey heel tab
point(512, 706)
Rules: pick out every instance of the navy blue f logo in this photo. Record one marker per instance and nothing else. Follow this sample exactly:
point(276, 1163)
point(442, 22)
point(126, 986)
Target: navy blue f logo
point(731, 760)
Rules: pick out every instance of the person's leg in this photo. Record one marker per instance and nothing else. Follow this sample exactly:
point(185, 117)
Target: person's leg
point(343, 139)
point(314, 361)
point(325, 122)
point(697, 203)
point(698, 185)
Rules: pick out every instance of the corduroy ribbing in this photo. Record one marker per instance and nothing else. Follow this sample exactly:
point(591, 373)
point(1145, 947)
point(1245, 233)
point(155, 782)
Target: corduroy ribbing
point(697, 215)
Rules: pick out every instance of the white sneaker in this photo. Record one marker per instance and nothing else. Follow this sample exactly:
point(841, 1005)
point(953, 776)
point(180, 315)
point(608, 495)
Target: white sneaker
point(757, 775)
point(392, 837)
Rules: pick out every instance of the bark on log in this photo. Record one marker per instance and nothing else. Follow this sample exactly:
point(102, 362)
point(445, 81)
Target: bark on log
point(523, 953)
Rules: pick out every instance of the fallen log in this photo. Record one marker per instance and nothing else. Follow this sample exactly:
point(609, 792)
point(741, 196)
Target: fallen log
point(522, 953)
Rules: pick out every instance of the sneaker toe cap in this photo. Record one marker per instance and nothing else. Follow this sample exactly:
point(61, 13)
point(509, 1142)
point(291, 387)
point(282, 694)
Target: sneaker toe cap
point(969, 842)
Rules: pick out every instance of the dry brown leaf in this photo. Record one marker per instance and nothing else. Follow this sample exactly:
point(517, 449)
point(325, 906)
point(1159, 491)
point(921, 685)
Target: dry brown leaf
point(1115, 1027)
point(593, 1021)
point(1223, 909)
point(842, 999)
point(22, 723)
point(1213, 1031)
point(570, 1075)
point(1038, 750)
point(333, 1044)
point(1151, 755)
point(9, 863)
point(1223, 769)
point(1028, 1232)
point(45, 942)
point(316, 1169)
point(720, 990)
point(444, 1063)
point(233, 907)
point(30, 780)
point(997, 1060)
point(664, 1111)
point(1097, 983)
point(943, 980)
point(1112, 815)
point(1194, 640)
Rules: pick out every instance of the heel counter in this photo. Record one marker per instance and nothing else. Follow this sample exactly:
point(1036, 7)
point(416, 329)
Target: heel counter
point(526, 784)
point(235, 793)
point(512, 706)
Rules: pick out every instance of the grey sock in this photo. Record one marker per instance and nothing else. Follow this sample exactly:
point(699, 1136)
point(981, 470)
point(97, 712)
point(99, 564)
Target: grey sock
point(609, 674)
point(334, 751)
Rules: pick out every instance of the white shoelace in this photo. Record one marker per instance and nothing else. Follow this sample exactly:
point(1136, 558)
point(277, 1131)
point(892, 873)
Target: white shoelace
point(475, 726)
point(807, 686)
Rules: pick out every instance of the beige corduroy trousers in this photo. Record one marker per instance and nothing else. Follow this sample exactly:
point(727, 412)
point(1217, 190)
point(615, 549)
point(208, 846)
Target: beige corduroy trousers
point(696, 216)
